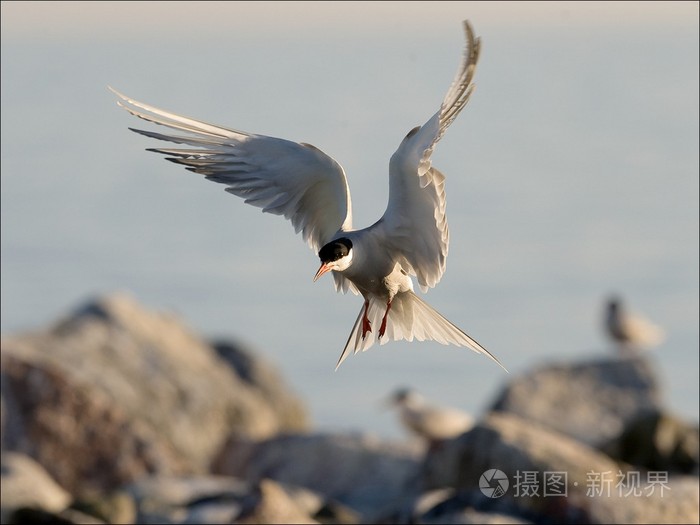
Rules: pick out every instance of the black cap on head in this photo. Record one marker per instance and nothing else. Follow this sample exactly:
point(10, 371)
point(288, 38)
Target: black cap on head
point(335, 250)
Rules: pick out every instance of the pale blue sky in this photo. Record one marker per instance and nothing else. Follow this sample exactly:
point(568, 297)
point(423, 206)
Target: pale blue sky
point(83, 19)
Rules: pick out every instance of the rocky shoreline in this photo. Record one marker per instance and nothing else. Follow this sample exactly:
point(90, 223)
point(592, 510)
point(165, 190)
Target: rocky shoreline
point(116, 414)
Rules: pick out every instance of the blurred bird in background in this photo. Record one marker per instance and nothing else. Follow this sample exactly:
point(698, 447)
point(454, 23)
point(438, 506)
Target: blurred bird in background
point(630, 331)
point(430, 422)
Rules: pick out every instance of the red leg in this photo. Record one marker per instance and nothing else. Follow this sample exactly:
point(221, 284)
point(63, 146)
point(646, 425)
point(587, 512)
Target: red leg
point(366, 326)
point(382, 328)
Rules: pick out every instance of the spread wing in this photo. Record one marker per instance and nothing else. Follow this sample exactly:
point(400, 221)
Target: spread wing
point(414, 220)
point(282, 177)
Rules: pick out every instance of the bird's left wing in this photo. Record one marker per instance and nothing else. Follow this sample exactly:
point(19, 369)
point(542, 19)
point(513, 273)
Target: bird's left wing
point(282, 177)
point(415, 221)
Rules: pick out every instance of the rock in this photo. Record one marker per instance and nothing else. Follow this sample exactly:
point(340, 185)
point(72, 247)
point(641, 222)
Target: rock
point(188, 499)
point(470, 516)
point(273, 505)
point(676, 502)
point(514, 446)
point(113, 507)
point(336, 513)
point(43, 517)
point(444, 506)
point(363, 473)
point(85, 441)
point(25, 484)
point(220, 499)
point(658, 441)
point(591, 401)
point(129, 392)
point(262, 378)
point(521, 469)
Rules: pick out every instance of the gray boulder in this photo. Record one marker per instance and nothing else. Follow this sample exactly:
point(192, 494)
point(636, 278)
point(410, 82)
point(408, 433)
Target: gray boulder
point(446, 506)
point(592, 401)
point(369, 476)
point(658, 441)
point(80, 436)
point(272, 504)
point(220, 499)
point(515, 448)
point(188, 499)
point(519, 468)
point(114, 392)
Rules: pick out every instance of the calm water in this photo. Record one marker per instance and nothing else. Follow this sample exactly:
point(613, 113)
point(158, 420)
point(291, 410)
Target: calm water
point(572, 174)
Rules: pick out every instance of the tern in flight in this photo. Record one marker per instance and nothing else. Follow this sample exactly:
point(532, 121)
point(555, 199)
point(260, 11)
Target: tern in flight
point(306, 186)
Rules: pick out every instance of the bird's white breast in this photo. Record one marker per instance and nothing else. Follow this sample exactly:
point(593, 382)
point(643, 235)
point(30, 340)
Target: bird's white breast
point(374, 270)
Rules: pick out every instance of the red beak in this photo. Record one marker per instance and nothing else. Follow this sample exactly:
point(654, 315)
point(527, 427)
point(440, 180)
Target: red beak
point(323, 269)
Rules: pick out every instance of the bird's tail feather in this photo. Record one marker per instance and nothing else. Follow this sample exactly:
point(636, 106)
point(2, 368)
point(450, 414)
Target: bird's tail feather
point(409, 318)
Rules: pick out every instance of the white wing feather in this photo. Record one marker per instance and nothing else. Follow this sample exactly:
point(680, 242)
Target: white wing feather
point(282, 177)
point(415, 221)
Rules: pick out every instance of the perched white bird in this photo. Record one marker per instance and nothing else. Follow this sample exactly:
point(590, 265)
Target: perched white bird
point(430, 422)
point(628, 330)
point(309, 188)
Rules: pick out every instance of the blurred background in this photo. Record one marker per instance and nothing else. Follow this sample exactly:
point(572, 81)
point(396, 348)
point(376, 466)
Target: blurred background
point(573, 174)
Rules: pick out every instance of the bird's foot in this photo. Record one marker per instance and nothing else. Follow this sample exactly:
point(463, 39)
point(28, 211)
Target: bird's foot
point(382, 328)
point(366, 325)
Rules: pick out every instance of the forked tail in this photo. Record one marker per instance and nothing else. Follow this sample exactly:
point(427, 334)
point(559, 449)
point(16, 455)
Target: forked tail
point(409, 318)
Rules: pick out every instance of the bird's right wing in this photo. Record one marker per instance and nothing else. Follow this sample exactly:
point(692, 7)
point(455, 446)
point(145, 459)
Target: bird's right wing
point(286, 178)
point(414, 221)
